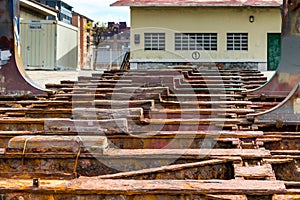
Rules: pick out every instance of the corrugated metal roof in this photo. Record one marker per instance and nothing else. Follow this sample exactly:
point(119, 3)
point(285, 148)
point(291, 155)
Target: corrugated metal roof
point(197, 3)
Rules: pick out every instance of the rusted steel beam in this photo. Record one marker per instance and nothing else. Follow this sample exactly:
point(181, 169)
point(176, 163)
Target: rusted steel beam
point(143, 96)
point(193, 113)
point(36, 113)
point(136, 154)
point(152, 140)
point(216, 77)
point(152, 72)
point(244, 153)
point(34, 104)
point(13, 79)
point(88, 186)
point(194, 82)
point(227, 197)
point(200, 103)
point(116, 89)
point(48, 144)
point(147, 139)
point(208, 90)
point(289, 196)
point(64, 124)
point(178, 84)
point(264, 172)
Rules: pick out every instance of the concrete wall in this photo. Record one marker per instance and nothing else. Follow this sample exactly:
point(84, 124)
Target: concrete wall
point(171, 20)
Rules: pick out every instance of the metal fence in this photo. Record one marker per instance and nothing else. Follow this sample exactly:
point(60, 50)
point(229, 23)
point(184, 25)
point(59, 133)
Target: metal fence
point(107, 58)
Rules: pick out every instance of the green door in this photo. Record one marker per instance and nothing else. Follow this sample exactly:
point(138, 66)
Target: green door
point(274, 50)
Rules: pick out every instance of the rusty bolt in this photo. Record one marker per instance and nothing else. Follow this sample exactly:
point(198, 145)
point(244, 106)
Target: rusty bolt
point(279, 123)
point(35, 182)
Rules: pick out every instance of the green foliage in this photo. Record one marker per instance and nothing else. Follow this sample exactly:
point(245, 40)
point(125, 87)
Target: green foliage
point(88, 26)
point(99, 30)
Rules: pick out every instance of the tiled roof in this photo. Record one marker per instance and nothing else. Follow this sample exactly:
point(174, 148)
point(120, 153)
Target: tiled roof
point(196, 3)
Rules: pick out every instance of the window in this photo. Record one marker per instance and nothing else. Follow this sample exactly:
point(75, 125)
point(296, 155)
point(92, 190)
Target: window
point(237, 41)
point(155, 41)
point(196, 41)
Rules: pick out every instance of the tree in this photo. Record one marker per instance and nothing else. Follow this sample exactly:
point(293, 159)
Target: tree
point(99, 31)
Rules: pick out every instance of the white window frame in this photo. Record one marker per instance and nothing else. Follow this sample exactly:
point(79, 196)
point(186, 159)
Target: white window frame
point(196, 41)
point(237, 41)
point(154, 41)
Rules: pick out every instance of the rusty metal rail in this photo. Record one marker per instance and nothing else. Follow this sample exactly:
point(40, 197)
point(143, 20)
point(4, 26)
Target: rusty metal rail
point(190, 132)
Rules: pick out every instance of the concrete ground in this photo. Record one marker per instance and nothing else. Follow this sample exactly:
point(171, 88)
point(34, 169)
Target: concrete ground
point(43, 77)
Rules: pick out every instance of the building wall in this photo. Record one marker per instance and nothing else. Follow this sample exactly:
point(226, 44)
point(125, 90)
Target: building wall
point(170, 20)
point(28, 14)
point(76, 23)
point(67, 46)
point(85, 48)
point(65, 10)
point(83, 42)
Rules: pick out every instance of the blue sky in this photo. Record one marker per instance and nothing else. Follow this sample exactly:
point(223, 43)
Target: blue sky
point(99, 10)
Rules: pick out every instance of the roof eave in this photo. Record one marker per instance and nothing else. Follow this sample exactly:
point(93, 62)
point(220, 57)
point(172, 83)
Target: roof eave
point(38, 8)
point(194, 5)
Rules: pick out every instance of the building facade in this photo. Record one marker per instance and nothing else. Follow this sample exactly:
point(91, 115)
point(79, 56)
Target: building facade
point(230, 33)
point(65, 10)
point(85, 40)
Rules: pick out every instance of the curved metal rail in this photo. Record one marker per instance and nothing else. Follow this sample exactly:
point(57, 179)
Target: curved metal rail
point(13, 79)
point(286, 81)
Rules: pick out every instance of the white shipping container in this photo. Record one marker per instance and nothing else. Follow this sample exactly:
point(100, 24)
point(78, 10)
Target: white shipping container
point(49, 45)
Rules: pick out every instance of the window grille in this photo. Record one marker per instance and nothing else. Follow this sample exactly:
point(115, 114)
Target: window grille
point(155, 41)
point(196, 41)
point(237, 41)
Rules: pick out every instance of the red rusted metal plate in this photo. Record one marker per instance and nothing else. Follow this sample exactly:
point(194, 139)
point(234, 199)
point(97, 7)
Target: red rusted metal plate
point(13, 79)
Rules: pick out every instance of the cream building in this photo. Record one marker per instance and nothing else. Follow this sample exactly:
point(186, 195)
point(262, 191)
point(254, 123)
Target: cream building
point(230, 33)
